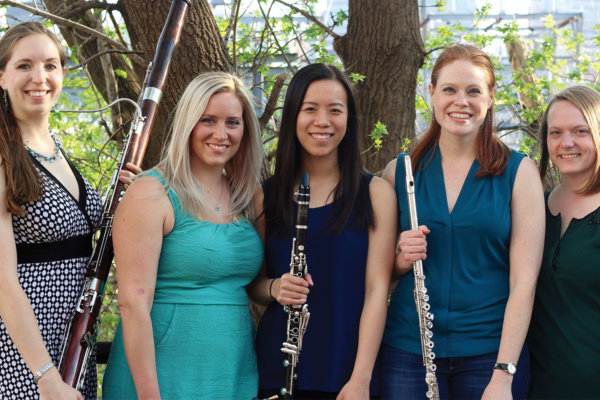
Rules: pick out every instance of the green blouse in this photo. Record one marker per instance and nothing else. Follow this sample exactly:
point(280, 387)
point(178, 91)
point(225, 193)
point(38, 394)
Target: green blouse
point(564, 336)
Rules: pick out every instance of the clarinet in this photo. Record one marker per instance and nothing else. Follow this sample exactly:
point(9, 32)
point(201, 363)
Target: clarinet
point(298, 315)
point(80, 333)
point(421, 296)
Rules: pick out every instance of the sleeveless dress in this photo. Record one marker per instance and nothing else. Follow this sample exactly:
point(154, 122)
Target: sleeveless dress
point(564, 336)
point(337, 263)
point(201, 321)
point(54, 243)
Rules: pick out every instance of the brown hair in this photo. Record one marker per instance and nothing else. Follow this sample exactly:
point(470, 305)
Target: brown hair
point(490, 152)
point(22, 179)
point(587, 100)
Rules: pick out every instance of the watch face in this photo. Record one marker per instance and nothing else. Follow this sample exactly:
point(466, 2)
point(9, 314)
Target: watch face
point(511, 369)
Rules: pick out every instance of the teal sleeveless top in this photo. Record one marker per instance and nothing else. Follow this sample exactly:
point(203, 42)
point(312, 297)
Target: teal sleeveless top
point(202, 327)
point(467, 265)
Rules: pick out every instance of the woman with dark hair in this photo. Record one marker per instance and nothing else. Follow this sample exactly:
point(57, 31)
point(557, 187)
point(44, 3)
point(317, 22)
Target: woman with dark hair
point(349, 246)
point(564, 337)
point(481, 241)
point(48, 215)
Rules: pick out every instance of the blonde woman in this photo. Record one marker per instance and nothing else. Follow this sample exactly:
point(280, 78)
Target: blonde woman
point(185, 249)
point(564, 334)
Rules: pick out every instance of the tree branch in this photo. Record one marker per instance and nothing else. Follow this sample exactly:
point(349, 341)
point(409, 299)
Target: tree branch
point(310, 18)
point(84, 62)
point(272, 102)
point(281, 49)
point(82, 6)
point(74, 25)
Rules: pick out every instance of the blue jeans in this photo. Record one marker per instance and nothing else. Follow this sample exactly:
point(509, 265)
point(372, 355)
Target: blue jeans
point(403, 375)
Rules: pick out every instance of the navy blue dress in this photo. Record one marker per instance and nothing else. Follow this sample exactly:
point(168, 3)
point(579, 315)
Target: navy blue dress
point(337, 263)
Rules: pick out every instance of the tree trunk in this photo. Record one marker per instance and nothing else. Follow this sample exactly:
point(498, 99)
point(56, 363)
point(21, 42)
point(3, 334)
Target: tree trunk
point(200, 49)
point(383, 42)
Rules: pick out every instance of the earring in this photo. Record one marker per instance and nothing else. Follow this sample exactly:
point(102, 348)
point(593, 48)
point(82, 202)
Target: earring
point(489, 117)
point(432, 115)
point(5, 100)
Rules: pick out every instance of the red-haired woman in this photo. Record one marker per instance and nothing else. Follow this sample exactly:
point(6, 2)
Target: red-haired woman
point(482, 210)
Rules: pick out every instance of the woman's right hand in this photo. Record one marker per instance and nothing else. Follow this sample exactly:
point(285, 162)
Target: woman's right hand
point(413, 246)
point(52, 387)
point(291, 289)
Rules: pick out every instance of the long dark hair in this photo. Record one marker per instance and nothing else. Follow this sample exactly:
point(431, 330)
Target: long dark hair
point(351, 192)
point(491, 153)
point(22, 179)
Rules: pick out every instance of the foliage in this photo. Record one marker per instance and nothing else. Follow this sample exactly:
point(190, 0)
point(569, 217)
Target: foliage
point(554, 61)
point(271, 39)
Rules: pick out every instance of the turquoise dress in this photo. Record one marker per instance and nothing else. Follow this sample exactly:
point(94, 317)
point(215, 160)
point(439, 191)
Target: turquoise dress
point(203, 330)
point(467, 266)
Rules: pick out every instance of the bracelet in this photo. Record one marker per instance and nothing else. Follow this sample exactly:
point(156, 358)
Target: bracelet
point(271, 287)
point(42, 371)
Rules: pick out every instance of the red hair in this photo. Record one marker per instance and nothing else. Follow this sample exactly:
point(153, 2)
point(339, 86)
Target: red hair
point(490, 152)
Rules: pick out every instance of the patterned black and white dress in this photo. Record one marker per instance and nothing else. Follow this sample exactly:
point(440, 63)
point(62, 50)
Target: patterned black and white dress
point(54, 242)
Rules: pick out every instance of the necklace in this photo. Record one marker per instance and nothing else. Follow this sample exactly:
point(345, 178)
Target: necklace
point(217, 204)
point(41, 157)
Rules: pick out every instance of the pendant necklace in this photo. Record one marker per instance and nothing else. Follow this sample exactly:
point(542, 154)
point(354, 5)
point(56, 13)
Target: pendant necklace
point(41, 157)
point(217, 206)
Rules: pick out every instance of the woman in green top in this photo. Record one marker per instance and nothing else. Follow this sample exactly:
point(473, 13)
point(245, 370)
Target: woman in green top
point(185, 249)
point(564, 337)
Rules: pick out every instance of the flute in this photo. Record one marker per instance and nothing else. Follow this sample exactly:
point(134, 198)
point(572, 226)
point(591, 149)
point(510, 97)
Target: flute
point(81, 329)
point(298, 315)
point(421, 296)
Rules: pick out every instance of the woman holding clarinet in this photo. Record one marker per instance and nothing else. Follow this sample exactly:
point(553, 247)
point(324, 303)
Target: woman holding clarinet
point(349, 244)
point(481, 209)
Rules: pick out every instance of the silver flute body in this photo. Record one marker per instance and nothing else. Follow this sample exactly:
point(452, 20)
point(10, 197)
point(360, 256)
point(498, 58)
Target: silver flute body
point(421, 296)
point(298, 315)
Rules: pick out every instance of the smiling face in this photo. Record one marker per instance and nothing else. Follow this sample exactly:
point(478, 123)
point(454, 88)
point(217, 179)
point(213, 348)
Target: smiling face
point(461, 98)
point(570, 143)
point(33, 77)
point(217, 135)
point(323, 117)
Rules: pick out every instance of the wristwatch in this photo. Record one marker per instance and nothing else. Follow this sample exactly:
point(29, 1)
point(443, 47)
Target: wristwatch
point(509, 368)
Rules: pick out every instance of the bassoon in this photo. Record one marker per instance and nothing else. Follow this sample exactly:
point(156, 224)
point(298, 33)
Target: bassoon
point(421, 296)
point(80, 333)
point(298, 315)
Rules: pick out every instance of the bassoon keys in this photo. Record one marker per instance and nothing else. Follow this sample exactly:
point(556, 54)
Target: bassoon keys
point(80, 334)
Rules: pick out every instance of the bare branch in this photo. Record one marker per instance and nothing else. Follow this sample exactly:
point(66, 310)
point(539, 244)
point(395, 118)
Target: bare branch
point(272, 102)
point(117, 28)
point(281, 50)
point(235, 21)
point(310, 18)
point(232, 20)
point(84, 62)
point(82, 6)
point(74, 25)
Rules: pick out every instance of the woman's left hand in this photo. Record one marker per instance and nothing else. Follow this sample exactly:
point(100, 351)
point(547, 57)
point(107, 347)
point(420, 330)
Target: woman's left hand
point(499, 387)
point(354, 390)
point(128, 175)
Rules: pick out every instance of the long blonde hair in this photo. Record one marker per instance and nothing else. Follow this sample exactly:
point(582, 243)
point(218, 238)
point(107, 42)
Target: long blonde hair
point(243, 170)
